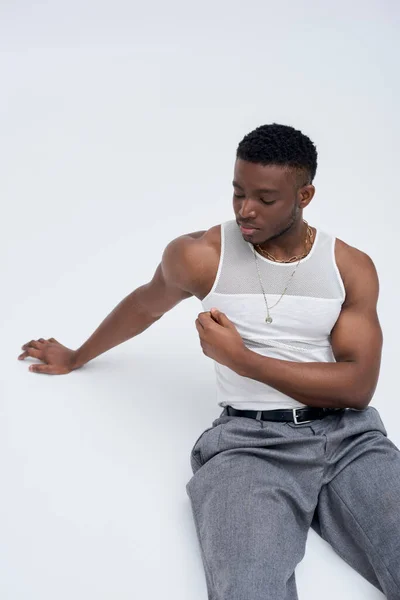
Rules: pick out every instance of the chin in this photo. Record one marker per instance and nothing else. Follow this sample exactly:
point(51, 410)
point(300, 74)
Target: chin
point(252, 237)
point(249, 236)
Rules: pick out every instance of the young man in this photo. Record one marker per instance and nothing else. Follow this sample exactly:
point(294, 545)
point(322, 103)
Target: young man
point(297, 344)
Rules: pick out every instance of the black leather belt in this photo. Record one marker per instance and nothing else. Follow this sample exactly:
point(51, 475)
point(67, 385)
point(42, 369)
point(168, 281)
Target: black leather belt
point(294, 415)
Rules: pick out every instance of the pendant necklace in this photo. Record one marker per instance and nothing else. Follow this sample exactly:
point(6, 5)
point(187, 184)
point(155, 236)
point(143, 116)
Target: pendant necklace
point(309, 235)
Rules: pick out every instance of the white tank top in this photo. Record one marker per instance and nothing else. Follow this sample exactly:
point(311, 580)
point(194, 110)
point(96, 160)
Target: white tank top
point(302, 321)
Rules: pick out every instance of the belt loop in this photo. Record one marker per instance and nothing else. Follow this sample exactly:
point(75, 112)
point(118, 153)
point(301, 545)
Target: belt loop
point(259, 413)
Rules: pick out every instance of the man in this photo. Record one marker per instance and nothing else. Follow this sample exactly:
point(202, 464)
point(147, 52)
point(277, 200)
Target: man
point(291, 322)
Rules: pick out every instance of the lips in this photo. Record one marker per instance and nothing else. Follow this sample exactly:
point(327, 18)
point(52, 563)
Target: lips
point(245, 226)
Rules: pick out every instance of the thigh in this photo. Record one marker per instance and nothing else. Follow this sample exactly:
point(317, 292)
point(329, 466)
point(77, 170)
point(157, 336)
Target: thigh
point(358, 511)
point(252, 507)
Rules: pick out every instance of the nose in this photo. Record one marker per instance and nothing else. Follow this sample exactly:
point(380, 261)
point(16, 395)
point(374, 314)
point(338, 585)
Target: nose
point(246, 211)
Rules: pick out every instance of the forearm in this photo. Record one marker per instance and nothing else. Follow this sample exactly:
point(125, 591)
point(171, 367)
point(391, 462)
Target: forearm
point(327, 385)
point(126, 320)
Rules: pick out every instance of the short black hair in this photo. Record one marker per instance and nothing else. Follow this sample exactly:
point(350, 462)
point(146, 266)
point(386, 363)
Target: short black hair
point(275, 144)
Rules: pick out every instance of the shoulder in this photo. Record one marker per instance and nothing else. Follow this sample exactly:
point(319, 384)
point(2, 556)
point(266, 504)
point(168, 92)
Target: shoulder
point(189, 258)
point(193, 245)
point(351, 260)
point(357, 269)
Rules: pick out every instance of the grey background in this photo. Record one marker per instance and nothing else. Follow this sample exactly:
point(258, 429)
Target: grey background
point(119, 124)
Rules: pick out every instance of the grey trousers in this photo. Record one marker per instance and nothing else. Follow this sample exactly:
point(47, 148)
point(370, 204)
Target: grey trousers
point(258, 486)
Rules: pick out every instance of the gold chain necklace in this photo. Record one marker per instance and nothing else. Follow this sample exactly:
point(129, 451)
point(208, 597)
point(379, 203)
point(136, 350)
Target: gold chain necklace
point(309, 236)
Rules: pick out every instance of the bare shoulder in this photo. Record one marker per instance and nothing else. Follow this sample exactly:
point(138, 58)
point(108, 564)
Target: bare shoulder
point(191, 260)
point(357, 270)
point(351, 259)
point(194, 244)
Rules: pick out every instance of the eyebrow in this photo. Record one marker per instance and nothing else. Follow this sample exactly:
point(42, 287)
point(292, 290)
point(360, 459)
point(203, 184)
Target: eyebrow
point(260, 190)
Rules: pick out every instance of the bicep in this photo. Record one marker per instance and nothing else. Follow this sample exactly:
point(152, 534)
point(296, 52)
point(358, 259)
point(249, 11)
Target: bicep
point(170, 283)
point(357, 335)
point(160, 295)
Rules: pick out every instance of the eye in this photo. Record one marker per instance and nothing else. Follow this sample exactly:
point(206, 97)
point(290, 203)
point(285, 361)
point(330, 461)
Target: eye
point(263, 201)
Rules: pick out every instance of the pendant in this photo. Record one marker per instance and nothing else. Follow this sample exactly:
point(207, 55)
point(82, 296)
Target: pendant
point(268, 320)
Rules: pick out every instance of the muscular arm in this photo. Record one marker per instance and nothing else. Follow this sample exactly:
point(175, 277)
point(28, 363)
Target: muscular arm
point(171, 283)
point(356, 343)
point(181, 274)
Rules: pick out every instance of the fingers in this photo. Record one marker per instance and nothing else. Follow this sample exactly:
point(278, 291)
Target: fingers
point(31, 352)
point(34, 344)
point(36, 348)
point(42, 369)
point(203, 318)
point(38, 344)
point(33, 348)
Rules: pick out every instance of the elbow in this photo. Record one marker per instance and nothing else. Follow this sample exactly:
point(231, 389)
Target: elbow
point(361, 397)
point(361, 402)
point(360, 388)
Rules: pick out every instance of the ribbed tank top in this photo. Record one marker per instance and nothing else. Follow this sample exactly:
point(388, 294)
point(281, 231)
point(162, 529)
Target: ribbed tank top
point(302, 320)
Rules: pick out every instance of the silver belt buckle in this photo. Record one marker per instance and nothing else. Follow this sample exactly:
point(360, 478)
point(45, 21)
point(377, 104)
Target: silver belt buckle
point(295, 417)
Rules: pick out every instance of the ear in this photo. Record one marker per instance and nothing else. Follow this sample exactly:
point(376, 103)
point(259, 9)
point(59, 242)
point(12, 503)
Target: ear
point(306, 194)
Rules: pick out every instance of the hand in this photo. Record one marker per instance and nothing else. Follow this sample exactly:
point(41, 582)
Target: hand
point(220, 339)
point(58, 359)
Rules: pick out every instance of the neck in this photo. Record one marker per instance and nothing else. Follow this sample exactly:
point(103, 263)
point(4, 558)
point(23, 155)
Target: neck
point(290, 243)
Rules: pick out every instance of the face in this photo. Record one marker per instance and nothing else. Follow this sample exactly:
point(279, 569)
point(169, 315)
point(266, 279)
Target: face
point(268, 197)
